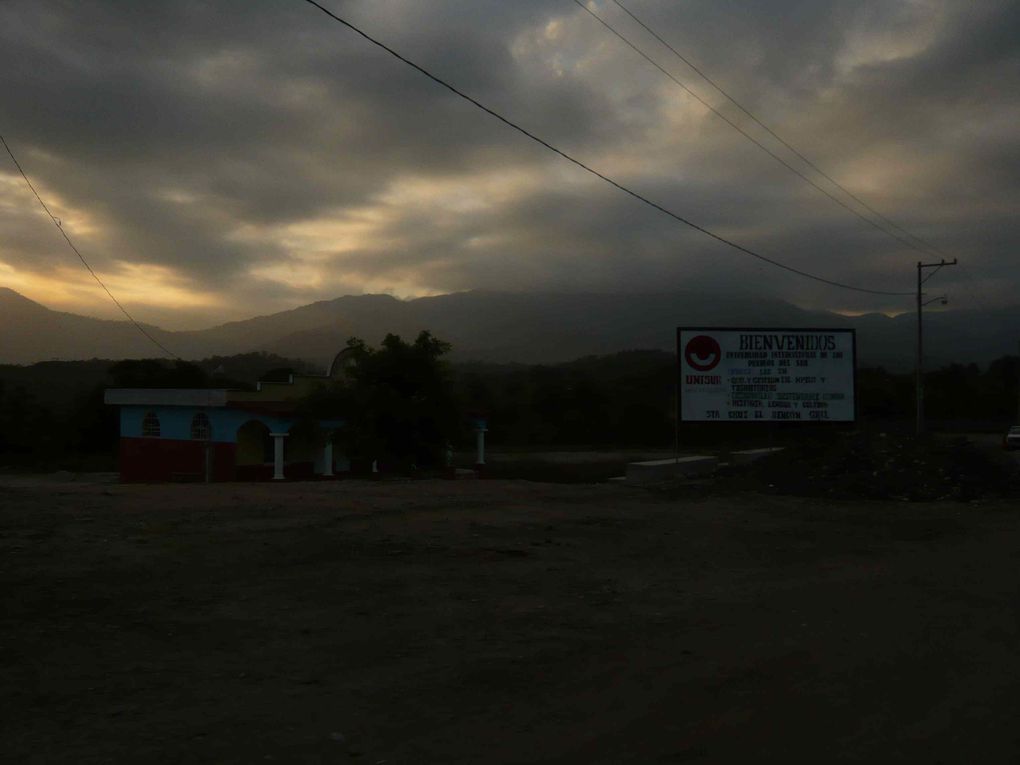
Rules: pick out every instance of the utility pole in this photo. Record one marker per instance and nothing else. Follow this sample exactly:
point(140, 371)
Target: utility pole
point(921, 303)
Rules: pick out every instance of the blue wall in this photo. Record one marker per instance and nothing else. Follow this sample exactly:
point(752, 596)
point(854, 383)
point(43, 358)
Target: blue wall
point(175, 421)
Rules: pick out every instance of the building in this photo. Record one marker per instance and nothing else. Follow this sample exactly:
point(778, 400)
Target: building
point(197, 434)
point(180, 434)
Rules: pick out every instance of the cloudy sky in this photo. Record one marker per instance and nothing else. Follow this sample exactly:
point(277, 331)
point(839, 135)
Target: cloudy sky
point(219, 159)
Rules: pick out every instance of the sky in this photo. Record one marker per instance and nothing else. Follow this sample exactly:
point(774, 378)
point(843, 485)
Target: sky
point(215, 160)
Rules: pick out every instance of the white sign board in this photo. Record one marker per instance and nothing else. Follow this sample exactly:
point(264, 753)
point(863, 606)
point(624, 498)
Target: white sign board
point(766, 375)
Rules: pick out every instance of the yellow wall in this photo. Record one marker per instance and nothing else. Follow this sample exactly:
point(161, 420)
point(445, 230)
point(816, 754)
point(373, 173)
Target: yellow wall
point(251, 443)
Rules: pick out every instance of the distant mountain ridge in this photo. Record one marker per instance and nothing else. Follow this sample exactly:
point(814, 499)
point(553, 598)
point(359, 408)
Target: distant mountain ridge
point(542, 327)
point(31, 332)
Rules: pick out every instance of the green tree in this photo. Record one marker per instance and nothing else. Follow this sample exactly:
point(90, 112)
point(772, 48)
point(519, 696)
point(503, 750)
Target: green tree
point(395, 400)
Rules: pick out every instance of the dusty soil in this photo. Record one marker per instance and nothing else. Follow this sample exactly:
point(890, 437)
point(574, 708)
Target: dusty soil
point(502, 622)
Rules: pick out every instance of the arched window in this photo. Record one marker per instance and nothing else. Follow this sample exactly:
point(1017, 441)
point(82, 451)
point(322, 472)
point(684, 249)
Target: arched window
point(201, 428)
point(150, 425)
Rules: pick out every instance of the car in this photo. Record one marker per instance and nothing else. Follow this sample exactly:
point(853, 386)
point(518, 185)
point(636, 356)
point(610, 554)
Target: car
point(1012, 438)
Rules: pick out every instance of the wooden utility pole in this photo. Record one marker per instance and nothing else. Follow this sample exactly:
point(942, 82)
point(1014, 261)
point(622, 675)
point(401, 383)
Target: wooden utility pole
point(921, 303)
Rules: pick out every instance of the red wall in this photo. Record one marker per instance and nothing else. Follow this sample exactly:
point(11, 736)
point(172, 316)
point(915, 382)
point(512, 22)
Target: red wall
point(164, 459)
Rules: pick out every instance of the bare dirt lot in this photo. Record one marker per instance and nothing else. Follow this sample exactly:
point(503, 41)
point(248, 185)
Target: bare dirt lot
point(502, 622)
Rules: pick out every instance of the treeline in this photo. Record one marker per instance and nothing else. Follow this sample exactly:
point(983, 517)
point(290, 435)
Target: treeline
point(52, 414)
point(627, 399)
point(958, 393)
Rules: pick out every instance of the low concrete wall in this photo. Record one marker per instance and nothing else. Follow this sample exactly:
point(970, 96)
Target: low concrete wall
point(665, 470)
point(747, 456)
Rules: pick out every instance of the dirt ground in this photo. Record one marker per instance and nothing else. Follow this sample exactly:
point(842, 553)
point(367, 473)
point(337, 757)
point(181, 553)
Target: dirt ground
point(502, 622)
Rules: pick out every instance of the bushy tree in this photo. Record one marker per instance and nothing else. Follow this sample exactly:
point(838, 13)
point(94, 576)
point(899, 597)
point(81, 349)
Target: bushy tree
point(395, 400)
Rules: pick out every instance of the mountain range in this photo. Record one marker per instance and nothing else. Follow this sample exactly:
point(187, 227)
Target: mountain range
point(543, 327)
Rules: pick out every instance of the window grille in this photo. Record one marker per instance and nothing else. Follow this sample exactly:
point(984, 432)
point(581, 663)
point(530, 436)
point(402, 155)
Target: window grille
point(201, 428)
point(150, 425)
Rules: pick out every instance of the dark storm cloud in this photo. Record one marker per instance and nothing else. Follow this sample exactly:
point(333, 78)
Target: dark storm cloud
point(268, 156)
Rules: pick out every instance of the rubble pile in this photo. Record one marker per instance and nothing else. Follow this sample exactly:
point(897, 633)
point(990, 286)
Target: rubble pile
point(885, 466)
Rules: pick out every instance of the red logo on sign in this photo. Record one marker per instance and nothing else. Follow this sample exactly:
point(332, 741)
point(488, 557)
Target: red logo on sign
point(703, 353)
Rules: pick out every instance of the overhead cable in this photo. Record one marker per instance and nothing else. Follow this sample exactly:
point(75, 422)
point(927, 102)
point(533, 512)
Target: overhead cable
point(509, 123)
point(56, 222)
point(929, 247)
point(922, 248)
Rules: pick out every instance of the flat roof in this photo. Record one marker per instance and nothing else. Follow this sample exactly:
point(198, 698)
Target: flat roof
point(166, 396)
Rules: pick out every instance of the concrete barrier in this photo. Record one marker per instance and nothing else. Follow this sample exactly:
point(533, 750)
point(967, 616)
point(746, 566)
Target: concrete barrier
point(747, 456)
point(665, 470)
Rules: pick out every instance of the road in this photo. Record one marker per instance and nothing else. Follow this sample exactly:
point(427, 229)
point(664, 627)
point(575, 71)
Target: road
point(502, 622)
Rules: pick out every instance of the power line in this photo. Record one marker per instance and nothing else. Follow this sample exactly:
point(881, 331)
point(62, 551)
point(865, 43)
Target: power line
point(81, 257)
point(923, 244)
point(439, 81)
point(743, 132)
point(928, 247)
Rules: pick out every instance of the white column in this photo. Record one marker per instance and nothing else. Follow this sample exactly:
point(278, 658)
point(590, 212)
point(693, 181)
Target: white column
point(278, 455)
point(480, 440)
point(327, 459)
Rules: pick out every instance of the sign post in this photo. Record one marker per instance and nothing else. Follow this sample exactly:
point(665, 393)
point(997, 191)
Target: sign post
point(766, 375)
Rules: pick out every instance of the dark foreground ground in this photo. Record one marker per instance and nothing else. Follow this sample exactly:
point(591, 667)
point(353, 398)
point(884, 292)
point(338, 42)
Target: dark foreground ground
point(502, 622)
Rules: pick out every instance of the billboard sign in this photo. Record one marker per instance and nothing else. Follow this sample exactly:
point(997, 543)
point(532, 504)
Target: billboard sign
point(766, 374)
